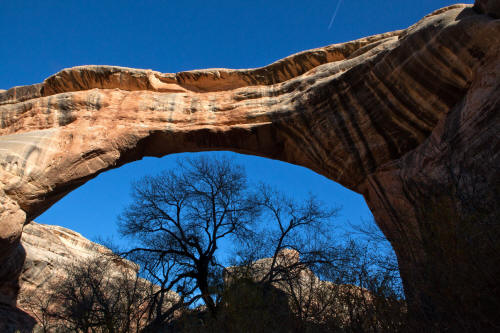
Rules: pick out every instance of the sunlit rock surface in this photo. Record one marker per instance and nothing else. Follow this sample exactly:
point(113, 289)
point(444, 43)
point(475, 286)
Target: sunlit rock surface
point(50, 250)
point(376, 115)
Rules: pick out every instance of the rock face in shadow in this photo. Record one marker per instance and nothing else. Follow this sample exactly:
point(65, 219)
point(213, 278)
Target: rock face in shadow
point(46, 251)
point(399, 117)
point(489, 7)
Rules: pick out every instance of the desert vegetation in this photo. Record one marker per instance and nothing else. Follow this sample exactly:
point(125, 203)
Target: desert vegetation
point(100, 294)
point(214, 254)
point(209, 253)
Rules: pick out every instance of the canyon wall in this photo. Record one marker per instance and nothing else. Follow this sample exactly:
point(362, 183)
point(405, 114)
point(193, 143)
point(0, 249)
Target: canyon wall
point(51, 251)
point(408, 118)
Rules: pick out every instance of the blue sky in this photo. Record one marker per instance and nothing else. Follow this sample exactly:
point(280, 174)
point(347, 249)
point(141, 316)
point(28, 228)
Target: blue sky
point(39, 38)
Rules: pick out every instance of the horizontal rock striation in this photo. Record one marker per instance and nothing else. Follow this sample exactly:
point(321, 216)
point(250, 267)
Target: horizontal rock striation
point(48, 250)
point(379, 115)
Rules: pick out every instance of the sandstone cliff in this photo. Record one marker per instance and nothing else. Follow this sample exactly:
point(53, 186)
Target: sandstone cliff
point(397, 117)
point(50, 250)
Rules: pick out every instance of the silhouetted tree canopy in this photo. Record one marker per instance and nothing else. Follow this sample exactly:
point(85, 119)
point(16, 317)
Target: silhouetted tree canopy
point(287, 273)
point(177, 220)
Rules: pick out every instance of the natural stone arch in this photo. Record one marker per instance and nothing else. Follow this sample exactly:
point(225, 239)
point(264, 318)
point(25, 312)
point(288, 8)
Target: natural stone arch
point(372, 114)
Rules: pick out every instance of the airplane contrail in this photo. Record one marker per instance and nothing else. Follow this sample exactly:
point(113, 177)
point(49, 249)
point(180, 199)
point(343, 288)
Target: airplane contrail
point(335, 14)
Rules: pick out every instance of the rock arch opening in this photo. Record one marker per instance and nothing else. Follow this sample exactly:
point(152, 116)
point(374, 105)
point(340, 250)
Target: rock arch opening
point(92, 209)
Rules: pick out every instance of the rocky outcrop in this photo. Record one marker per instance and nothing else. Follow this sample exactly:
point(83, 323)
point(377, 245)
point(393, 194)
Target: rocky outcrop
point(306, 295)
point(393, 116)
point(49, 251)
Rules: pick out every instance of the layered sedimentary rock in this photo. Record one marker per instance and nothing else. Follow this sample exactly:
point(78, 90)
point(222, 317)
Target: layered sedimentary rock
point(55, 253)
point(50, 250)
point(385, 116)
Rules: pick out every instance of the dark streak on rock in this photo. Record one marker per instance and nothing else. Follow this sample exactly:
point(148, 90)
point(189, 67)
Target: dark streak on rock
point(353, 120)
point(65, 115)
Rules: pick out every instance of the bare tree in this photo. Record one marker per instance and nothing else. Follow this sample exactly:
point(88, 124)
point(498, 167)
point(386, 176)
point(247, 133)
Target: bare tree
point(306, 227)
point(295, 238)
point(100, 294)
point(329, 284)
point(177, 221)
point(40, 305)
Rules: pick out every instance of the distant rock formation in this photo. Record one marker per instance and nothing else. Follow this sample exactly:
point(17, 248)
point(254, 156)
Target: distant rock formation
point(318, 300)
point(50, 249)
point(391, 116)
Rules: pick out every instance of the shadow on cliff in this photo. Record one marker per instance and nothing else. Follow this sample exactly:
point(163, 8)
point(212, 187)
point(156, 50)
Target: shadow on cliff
point(12, 318)
point(461, 220)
